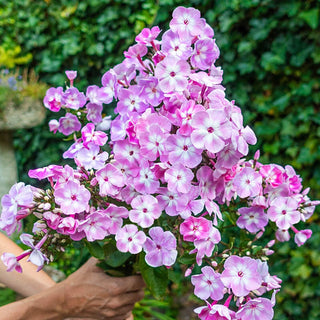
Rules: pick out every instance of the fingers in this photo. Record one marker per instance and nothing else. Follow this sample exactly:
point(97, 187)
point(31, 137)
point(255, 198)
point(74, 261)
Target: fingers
point(130, 284)
point(126, 299)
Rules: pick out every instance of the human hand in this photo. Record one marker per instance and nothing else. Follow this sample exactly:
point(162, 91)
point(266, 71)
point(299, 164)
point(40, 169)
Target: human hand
point(90, 293)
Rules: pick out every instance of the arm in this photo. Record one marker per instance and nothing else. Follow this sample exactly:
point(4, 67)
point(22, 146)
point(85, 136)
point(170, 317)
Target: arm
point(87, 293)
point(28, 282)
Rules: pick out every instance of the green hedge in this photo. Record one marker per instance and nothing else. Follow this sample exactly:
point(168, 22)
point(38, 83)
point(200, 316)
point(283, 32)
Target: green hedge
point(270, 54)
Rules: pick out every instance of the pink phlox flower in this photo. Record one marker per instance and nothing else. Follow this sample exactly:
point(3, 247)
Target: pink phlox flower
point(69, 124)
point(110, 180)
point(302, 236)
point(216, 73)
point(204, 247)
point(181, 150)
point(227, 158)
point(52, 99)
point(53, 126)
point(172, 74)
point(173, 45)
point(284, 212)
point(241, 136)
point(187, 22)
point(19, 196)
point(206, 183)
point(73, 149)
point(214, 208)
point(89, 134)
point(256, 309)
point(128, 169)
point(272, 174)
point(128, 193)
point(73, 99)
point(168, 201)
point(36, 256)
point(282, 235)
point(94, 112)
point(105, 124)
point(91, 158)
point(188, 204)
point(109, 83)
point(195, 228)
point(147, 36)
point(134, 55)
point(217, 100)
point(71, 74)
point(160, 249)
point(65, 174)
point(241, 275)
point(145, 210)
point(247, 183)
point(118, 128)
point(116, 215)
point(252, 219)
point(179, 178)
point(146, 181)
point(72, 197)
point(96, 225)
point(151, 91)
point(129, 239)
point(148, 119)
point(11, 262)
point(211, 130)
point(204, 80)
point(215, 312)
point(208, 284)
point(268, 282)
point(205, 53)
point(153, 143)
point(52, 219)
point(68, 225)
point(131, 100)
point(292, 179)
point(124, 150)
point(97, 95)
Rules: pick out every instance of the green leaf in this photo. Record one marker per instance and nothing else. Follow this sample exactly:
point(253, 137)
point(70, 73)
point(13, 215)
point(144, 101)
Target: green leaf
point(311, 17)
point(95, 249)
point(113, 257)
point(155, 278)
point(187, 258)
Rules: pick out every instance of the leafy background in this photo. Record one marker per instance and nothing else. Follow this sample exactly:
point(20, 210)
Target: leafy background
point(270, 54)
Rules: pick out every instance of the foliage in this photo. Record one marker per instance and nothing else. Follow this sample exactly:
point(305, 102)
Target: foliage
point(270, 57)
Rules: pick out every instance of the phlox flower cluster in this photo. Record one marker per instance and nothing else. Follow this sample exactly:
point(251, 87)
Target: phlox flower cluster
point(154, 179)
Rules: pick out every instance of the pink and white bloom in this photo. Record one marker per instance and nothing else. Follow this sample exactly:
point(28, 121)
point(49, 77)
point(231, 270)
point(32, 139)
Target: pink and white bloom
point(172, 74)
point(208, 284)
point(72, 197)
point(187, 22)
point(110, 180)
point(129, 239)
point(179, 178)
point(256, 309)
point(211, 130)
point(241, 275)
point(247, 183)
point(145, 210)
point(160, 249)
point(195, 228)
point(284, 212)
point(253, 219)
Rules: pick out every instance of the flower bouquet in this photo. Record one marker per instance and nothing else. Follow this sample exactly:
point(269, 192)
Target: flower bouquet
point(164, 183)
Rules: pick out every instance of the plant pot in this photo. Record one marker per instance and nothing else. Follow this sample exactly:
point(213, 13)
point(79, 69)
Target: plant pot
point(27, 115)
